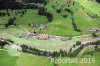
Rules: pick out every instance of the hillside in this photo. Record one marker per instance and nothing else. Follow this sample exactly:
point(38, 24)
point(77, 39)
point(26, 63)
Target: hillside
point(63, 23)
point(37, 32)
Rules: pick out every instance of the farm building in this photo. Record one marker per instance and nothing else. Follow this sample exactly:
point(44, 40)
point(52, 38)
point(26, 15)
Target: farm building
point(65, 38)
point(43, 36)
point(95, 29)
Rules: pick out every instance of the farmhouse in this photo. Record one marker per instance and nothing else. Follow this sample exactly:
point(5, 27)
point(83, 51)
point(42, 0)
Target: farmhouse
point(95, 29)
point(65, 38)
point(43, 36)
point(43, 27)
point(93, 15)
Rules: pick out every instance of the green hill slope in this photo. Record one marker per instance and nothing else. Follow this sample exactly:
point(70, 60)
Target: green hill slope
point(62, 23)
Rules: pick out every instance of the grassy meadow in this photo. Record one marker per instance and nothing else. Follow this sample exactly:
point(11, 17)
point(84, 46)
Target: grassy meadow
point(60, 26)
point(10, 57)
point(23, 59)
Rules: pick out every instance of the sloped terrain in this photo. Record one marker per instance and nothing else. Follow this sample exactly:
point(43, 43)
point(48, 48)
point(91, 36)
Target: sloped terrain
point(58, 18)
point(63, 23)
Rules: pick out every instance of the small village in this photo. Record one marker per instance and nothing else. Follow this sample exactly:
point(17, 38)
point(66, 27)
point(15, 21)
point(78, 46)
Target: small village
point(36, 35)
point(42, 36)
point(49, 32)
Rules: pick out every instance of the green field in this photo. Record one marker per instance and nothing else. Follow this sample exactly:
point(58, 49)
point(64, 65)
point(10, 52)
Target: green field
point(11, 57)
point(59, 26)
point(88, 56)
point(22, 59)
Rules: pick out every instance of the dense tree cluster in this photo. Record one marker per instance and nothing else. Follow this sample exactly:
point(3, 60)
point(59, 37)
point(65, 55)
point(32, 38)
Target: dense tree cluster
point(63, 53)
point(30, 6)
point(10, 5)
point(98, 1)
point(74, 25)
point(17, 5)
point(9, 40)
point(14, 4)
point(8, 0)
point(78, 43)
point(64, 15)
point(26, 1)
point(10, 22)
point(77, 51)
point(94, 43)
point(2, 43)
point(94, 35)
point(12, 17)
point(34, 1)
point(2, 13)
point(43, 11)
point(58, 10)
point(68, 10)
point(96, 47)
point(35, 51)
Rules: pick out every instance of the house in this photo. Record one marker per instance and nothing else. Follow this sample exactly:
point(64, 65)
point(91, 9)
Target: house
point(43, 27)
point(95, 29)
point(43, 36)
point(65, 38)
